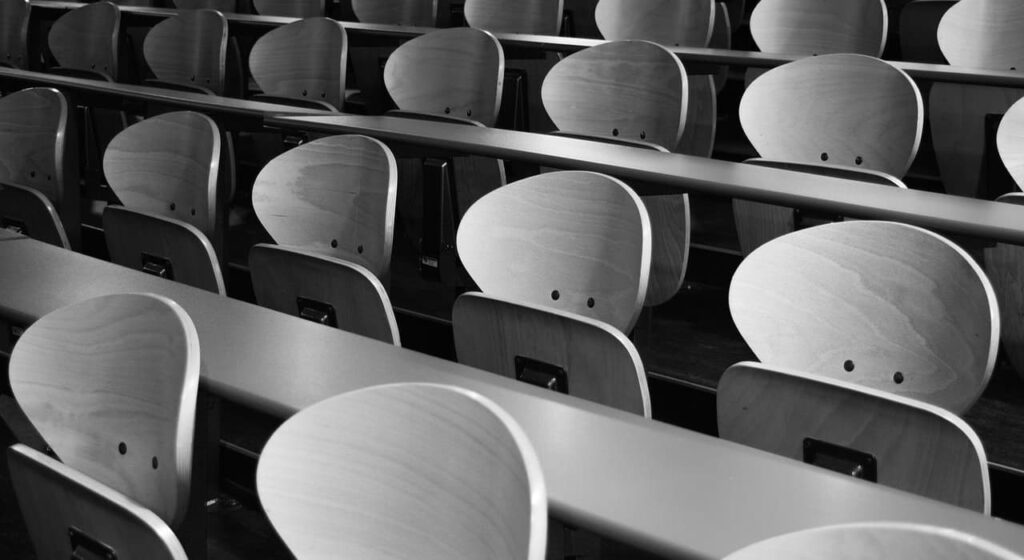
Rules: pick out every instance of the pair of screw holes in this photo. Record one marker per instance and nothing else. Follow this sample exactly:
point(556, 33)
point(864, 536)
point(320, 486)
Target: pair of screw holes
point(334, 245)
point(897, 377)
point(859, 160)
point(192, 211)
point(555, 295)
point(122, 448)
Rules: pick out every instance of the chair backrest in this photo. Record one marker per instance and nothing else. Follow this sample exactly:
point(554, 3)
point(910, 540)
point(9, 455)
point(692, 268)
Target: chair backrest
point(983, 34)
point(70, 515)
point(816, 27)
point(110, 383)
point(304, 60)
point(14, 33)
point(1004, 263)
point(290, 8)
point(682, 23)
point(563, 351)
point(535, 17)
point(405, 471)
point(572, 240)
point(223, 6)
point(421, 13)
point(335, 196)
point(86, 38)
point(457, 72)
point(871, 434)
point(323, 289)
point(30, 213)
point(162, 246)
point(189, 49)
point(871, 116)
point(884, 305)
point(1010, 142)
point(858, 541)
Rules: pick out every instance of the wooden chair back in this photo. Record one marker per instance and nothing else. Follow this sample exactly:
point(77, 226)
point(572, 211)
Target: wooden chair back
point(70, 515)
point(290, 8)
point(420, 13)
point(881, 304)
point(335, 196)
point(456, 72)
point(983, 34)
point(162, 246)
point(584, 357)
point(30, 213)
point(111, 384)
point(572, 240)
point(885, 438)
point(304, 60)
point(1004, 264)
point(1010, 142)
point(871, 117)
point(814, 27)
point(680, 23)
point(14, 33)
point(372, 471)
point(223, 6)
point(876, 540)
point(189, 49)
point(323, 289)
point(534, 17)
point(87, 38)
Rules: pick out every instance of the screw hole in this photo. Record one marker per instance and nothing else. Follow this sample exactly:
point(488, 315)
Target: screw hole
point(303, 93)
point(848, 365)
point(323, 94)
point(155, 463)
point(359, 249)
point(192, 79)
point(859, 160)
point(122, 448)
point(334, 243)
point(555, 295)
point(615, 132)
point(447, 110)
point(173, 206)
point(643, 135)
point(897, 378)
point(590, 302)
point(193, 212)
point(824, 156)
point(32, 174)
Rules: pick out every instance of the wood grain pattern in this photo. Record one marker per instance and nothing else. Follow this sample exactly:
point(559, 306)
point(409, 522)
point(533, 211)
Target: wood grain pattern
point(189, 49)
point(876, 540)
point(290, 8)
point(918, 447)
point(1010, 142)
point(304, 60)
point(534, 17)
point(14, 33)
point(335, 196)
point(130, 234)
point(698, 138)
point(816, 27)
point(86, 38)
point(680, 23)
point(885, 305)
point(630, 89)
point(1004, 264)
point(840, 109)
point(35, 213)
point(54, 497)
point(280, 275)
point(113, 370)
point(404, 471)
point(419, 13)
point(600, 363)
point(457, 72)
point(573, 240)
point(670, 245)
point(983, 34)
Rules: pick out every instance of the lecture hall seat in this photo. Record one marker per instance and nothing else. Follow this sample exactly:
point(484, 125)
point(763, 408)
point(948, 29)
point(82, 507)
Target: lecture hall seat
point(189, 51)
point(534, 17)
point(223, 6)
point(14, 33)
point(814, 27)
point(409, 470)
point(302, 63)
point(290, 8)
point(420, 13)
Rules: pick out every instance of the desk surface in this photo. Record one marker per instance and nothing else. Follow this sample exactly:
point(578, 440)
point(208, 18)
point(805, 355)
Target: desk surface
point(663, 488)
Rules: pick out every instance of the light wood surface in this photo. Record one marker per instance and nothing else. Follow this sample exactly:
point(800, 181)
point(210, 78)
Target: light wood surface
point(35, 214)
point(840, 109)
point(305, 60)
point(189, 49)
point(670, 245)
point(87, 38)
point(290, 8)
point(404, 471)
point(538, 17)
point(571, 240)
point(456, 72)
point(14, 33)
point(816, 27)
point(422, 13)
point(685, 23)
point(1004, 264)
point(698, 138)
point(133, 236)
point(600, 363)
point(281, 275)
point(54, 497)
point(110, 373)
point(1010, 142)
point(864, 541)
point(983, 34)
point(335, 196)
point(916, 447)
point(884, 305)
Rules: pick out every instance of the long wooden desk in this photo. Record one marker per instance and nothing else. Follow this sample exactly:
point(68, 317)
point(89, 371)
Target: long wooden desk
point(669, 490)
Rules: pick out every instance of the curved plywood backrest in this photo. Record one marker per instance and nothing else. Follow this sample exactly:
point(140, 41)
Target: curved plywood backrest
point(983, 34)
point(86, 38)
point(304, 60)
point(1010, 142)
point(913, 446)
point(323, 289)
point(457, 72)
point(335, 196)
point(36, 147)
point(839, 109)
point(30, 213)
point(189, 49)
point(168, 165)
point(876, 540)
point(421, 13)
point(111, 384)
point(290, 8)
point(634, 90)
point(535, 17)
point(599, 363)
point(1004, 264)
point(573, 240)
point(884, 305)
point(405, 471)
point(223, 6)
point(680, 23)
point(14, 33)
point(817, 27)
